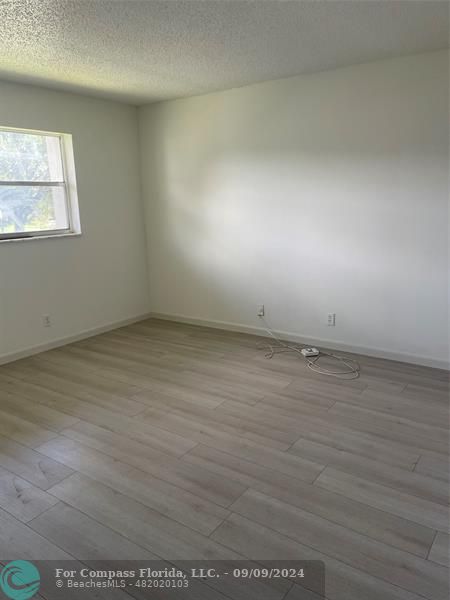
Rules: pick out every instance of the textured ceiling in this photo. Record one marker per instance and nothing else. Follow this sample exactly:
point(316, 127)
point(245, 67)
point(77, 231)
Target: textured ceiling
point(145, 50)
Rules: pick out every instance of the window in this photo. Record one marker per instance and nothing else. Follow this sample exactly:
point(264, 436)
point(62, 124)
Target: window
point(37, 185)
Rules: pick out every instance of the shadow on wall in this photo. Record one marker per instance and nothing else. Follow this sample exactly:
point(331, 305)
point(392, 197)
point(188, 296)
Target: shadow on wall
point(302, 201)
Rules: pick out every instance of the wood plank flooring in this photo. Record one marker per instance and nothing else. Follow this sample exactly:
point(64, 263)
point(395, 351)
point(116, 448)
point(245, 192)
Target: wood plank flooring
point(168, 441)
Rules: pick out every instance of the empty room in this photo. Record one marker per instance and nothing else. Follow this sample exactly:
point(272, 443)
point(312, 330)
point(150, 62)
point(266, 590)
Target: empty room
point(224, 299)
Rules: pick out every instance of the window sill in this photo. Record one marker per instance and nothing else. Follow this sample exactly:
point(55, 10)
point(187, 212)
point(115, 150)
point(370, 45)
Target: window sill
point(41, 237)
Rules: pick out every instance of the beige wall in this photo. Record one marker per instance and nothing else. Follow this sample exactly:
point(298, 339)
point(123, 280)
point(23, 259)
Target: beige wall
point(313, 194)
point(96, 279)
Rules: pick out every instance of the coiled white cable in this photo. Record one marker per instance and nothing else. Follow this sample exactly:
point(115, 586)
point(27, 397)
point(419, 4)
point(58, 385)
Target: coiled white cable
point(351, 372)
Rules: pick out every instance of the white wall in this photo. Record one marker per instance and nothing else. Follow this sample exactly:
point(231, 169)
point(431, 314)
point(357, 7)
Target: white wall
point(313, 194)
point(82, 282)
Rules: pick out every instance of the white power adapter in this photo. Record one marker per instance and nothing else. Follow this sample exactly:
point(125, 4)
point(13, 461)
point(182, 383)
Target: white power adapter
point(307, 352)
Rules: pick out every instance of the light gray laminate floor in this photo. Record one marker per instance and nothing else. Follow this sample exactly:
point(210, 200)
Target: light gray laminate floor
point(173, 441)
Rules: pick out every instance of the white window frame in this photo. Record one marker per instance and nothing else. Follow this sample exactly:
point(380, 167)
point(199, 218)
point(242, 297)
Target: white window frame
point(69, 185)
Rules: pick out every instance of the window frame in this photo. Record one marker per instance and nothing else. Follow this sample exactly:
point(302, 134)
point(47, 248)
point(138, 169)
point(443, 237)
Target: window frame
point(68, 184)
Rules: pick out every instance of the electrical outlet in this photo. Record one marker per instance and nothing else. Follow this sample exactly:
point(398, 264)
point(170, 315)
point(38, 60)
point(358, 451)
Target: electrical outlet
point(260, 310)
point(46, 321)
point(331, 320)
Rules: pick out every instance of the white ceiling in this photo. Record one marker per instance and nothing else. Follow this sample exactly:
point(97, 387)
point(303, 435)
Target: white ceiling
point(145, 50)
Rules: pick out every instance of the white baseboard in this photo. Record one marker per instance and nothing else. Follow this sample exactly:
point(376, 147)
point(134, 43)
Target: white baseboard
point(324, 343)
point(227, 326)
point(87, 333)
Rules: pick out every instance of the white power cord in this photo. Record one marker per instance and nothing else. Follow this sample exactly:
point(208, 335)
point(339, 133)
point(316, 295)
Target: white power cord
point(352, 370)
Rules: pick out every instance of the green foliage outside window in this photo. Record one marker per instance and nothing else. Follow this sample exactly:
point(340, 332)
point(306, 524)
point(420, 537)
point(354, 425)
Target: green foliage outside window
point(26, 157)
